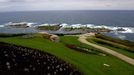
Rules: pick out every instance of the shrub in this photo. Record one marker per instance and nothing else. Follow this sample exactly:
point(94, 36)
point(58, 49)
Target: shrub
point(10, 35)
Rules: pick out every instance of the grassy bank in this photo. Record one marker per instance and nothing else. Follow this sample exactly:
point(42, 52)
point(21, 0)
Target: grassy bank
point(89, 64)
point(116, 40)
point(123, 46)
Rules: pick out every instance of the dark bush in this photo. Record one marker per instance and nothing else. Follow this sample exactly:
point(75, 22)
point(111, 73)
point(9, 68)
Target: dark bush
point(10, 35)
point(76, 48)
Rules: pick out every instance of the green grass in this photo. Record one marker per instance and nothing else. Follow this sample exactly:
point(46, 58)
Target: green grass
point(55, 27)
point(73, 40)
point(89, 64)
point(113, 45)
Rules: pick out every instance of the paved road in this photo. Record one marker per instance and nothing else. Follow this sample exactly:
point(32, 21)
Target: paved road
point(82, 38)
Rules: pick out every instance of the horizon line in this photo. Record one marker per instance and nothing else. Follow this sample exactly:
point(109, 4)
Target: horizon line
point(69, 10)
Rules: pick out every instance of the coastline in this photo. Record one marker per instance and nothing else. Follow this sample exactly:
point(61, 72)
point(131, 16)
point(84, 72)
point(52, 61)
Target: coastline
point(125, 33)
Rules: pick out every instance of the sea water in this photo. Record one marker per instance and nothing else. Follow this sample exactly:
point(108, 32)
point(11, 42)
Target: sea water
point(111, 19)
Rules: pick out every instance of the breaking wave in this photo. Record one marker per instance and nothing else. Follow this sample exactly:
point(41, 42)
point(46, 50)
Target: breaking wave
point(1, 25)
point(31, 24)
point(125, 29)
point(120, 35)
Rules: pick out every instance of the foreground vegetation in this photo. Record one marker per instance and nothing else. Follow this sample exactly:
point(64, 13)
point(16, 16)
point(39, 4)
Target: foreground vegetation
point(89, 64)
point(21, 60)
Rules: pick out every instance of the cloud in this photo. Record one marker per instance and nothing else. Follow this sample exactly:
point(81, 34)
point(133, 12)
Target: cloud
point(18, 5)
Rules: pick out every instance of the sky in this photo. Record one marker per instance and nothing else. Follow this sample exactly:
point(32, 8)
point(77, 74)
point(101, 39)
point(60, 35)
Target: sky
point(37, 5)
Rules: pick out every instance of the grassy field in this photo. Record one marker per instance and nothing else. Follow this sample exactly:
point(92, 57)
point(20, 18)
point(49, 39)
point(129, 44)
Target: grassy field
point(89, 64)
point(124, 47)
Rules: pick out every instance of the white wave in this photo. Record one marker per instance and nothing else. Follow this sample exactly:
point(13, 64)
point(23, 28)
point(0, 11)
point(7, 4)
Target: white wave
point(90, 25)
point(114, 28)
point(128, 30)
point(45, 24)
point(125, 29)
point(64, 24)
point(76, 25)
point(120, 35)
point(30, 24)
point(2, 26)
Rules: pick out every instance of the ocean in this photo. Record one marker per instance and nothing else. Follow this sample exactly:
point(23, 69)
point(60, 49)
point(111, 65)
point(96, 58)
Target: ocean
point(110, 18)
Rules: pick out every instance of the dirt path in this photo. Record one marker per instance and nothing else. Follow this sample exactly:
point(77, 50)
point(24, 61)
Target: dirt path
point(82, 38)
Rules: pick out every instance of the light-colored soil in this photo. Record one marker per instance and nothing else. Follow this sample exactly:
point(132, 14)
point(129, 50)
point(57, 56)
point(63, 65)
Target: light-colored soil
point(82, 38)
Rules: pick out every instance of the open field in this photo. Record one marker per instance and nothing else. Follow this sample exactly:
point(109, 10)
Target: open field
point(89, 64)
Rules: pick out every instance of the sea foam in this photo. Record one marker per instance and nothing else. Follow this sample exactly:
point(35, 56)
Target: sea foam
point(1, 25)
point(114, 28)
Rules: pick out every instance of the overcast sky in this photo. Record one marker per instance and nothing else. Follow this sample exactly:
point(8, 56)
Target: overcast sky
point(27, 5)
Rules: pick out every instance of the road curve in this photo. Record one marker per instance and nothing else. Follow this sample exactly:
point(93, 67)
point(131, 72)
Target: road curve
point(82, 38)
